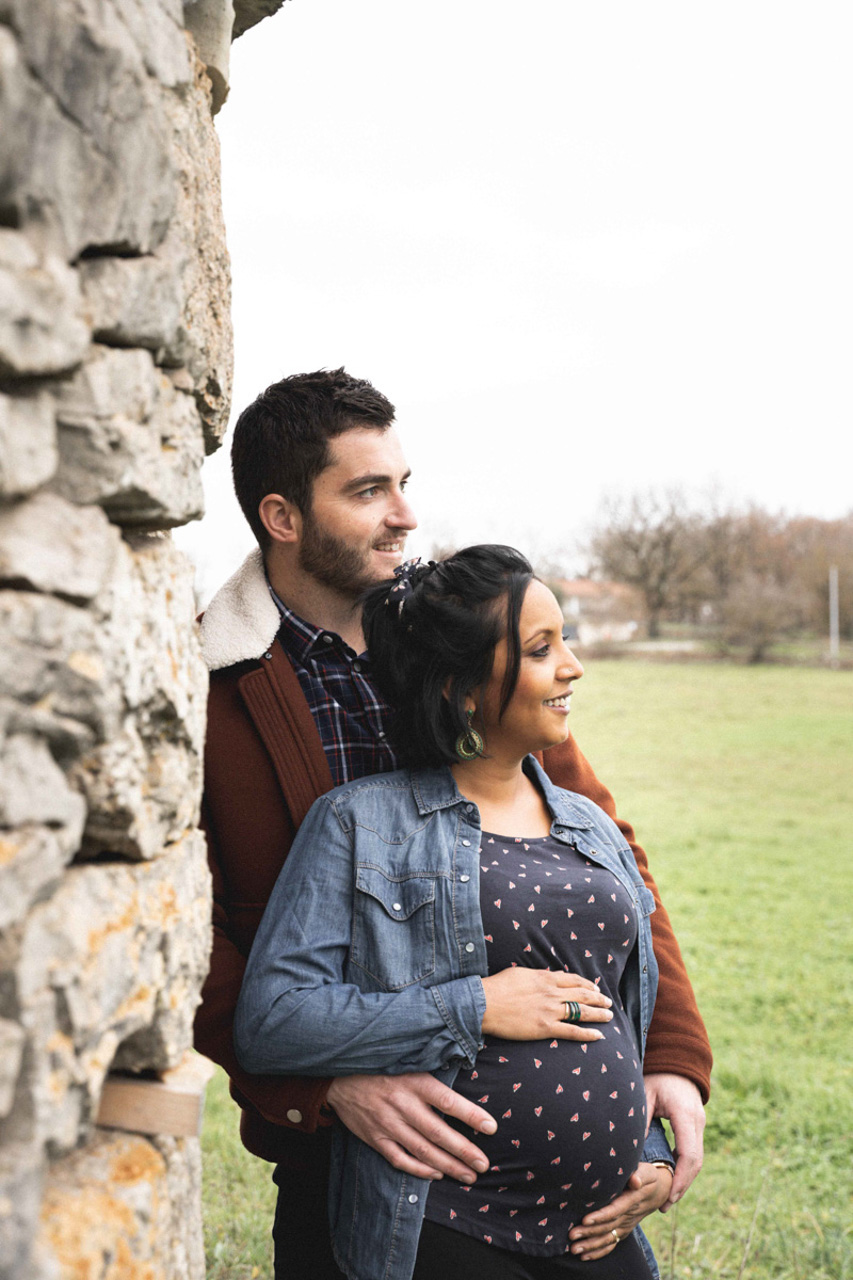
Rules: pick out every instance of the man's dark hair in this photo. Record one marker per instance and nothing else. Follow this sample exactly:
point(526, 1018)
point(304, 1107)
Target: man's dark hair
point(281, 440)
point(429, 654)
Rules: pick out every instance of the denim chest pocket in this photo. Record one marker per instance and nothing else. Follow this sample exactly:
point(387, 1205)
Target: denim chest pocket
point(393, 933)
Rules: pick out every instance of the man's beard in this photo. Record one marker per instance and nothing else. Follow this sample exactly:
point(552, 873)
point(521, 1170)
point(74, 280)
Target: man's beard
point(333, 562)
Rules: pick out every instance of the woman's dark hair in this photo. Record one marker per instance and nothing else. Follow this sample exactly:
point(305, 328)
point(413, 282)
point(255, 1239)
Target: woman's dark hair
point(433, 645)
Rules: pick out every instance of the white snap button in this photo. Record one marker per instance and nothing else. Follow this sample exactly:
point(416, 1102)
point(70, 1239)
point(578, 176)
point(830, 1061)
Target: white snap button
point(466, 844)
point(294, 1116)
point(413, 1199)
point(464, 879)
point(398, 906)
point(469, 946)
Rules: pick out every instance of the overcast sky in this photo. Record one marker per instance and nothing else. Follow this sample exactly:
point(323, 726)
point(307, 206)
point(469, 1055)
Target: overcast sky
point(584, 248)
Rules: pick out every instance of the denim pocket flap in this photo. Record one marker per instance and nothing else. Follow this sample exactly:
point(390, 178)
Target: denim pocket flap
point(399, 898)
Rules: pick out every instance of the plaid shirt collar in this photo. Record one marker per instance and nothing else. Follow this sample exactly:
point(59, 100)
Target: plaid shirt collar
point(301, 640)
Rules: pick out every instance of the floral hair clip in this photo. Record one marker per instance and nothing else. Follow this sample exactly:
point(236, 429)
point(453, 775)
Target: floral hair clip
point(406, 581)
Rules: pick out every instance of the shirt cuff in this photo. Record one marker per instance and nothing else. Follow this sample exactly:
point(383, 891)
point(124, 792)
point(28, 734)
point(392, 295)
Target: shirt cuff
point(462, 1004)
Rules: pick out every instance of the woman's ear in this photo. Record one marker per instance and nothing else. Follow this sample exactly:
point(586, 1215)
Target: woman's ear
point(470, 704)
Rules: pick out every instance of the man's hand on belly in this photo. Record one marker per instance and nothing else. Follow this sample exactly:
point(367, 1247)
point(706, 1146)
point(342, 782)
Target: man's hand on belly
point(676, 1099)
point(396, 1115)
point(600, 1232)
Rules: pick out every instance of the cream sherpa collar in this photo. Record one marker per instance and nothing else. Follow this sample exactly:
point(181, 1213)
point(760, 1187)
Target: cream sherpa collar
point(242, 619)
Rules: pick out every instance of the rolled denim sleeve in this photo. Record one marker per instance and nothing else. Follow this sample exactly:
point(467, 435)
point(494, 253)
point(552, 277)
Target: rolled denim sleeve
point(298, 1016)
point(656, 1146)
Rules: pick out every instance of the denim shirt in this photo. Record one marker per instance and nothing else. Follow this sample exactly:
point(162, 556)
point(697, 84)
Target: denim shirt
point(370, 958)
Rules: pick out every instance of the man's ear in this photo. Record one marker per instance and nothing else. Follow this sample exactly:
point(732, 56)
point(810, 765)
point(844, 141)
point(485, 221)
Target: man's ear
point(281, 518)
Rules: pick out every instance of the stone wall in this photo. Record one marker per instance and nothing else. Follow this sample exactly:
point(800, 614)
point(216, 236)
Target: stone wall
point(115, 371)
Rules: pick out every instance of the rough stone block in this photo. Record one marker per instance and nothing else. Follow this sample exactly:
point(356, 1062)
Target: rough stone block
point(21, 1173)
point(48, 544)
point(196, 246)
point(32, 859)
point(42, 325)
point(118, 692)
point(33, 788)
point(11, 1050)
point(211, 23)
point(123, 1208)
point(176, 302)
point(115, 958)
point(84, 152)
point(142, 781)
point(136, 800)
point(157, 31)
point(28, 450)
point(41, 823)
point(54, 673)
point(249, 12)
point(136, 302)
point(129, 441)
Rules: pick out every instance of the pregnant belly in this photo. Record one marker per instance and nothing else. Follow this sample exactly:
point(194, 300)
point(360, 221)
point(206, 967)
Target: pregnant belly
point(571, 1126)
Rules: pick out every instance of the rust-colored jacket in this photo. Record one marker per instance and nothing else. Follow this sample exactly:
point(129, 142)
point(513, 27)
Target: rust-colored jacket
point(264, 768)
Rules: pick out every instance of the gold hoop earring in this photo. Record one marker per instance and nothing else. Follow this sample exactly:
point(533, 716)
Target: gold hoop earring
point(470, 745)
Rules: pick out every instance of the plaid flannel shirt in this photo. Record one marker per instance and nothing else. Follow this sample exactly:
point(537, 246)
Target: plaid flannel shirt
point(349, 713)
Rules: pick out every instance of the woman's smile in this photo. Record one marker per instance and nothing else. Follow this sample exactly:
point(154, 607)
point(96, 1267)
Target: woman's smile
point(561, 703)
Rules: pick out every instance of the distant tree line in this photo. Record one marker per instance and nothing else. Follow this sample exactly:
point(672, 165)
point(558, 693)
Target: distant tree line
point(749, 576)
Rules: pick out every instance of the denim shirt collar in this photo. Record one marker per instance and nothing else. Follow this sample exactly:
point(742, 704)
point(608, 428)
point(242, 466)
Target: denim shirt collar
point(436, 789)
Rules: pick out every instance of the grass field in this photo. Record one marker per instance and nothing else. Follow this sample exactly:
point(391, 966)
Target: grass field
point(739, 782)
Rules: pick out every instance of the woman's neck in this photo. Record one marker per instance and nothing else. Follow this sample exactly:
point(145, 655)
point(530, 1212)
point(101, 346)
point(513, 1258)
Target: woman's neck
point(509, 802)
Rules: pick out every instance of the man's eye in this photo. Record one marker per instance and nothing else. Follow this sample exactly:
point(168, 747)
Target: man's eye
point(369, 493)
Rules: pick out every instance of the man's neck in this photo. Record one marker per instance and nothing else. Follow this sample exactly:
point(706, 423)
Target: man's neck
point(317, 604)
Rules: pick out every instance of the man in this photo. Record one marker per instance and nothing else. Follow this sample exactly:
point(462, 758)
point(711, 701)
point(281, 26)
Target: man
point(321, 478)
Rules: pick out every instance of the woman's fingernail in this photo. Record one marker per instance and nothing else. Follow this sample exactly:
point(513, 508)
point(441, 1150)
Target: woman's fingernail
point(488, 1126)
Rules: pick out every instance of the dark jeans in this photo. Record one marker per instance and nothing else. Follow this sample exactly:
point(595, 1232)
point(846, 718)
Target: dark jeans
point(445, 1254)
point(301, 1227)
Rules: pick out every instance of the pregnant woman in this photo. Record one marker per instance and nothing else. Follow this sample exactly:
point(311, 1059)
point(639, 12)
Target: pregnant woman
point(466, 917)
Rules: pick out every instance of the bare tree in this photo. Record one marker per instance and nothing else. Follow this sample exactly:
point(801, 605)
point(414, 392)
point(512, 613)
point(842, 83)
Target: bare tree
point(758, 610)
point(653, 541)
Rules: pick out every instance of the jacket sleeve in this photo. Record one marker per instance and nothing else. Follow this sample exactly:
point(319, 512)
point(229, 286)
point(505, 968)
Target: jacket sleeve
point(272, 1096)
point(677, 1042)
point(297, 1013)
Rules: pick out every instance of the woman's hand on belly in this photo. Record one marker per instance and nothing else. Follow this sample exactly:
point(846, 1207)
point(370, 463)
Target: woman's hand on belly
point(531, 1004)
point(647, 1190)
